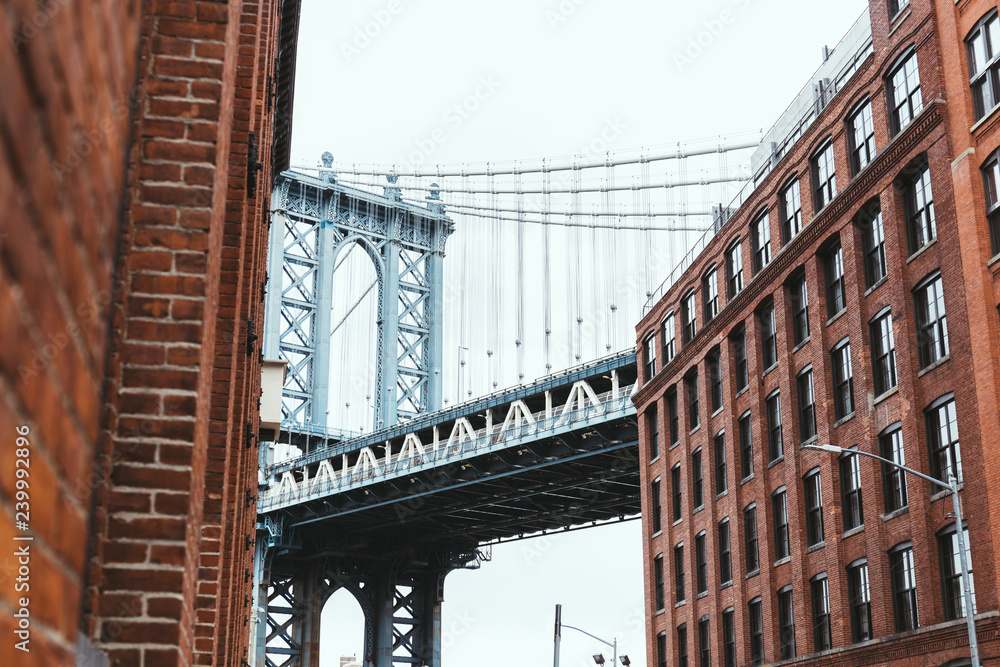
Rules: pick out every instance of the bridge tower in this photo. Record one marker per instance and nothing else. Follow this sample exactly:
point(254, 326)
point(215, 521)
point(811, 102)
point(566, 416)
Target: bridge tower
point(313, 220)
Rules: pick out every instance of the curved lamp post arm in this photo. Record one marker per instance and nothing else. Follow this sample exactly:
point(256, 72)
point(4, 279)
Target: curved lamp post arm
point(589, 635)
point(952, 485)
point(833, 449)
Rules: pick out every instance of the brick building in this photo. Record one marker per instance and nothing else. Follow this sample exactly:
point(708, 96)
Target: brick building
point(137, 147)
point(851, 299)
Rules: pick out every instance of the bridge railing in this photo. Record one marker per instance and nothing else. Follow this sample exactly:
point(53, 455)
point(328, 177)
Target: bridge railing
point(296, 486)
point(349, 441)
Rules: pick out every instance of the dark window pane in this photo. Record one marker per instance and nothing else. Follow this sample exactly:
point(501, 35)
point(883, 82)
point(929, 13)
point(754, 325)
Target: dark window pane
point(904, 587)
point(850, 485)
point(814, 508)
point(860, 598)
point(893, 478)
point(942, 440)
point(820, 592)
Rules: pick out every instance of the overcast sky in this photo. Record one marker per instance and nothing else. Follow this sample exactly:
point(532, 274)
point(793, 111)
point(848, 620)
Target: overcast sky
point(376, 78)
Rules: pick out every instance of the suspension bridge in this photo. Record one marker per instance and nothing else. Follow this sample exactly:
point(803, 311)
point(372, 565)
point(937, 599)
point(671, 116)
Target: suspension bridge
point(433, 408)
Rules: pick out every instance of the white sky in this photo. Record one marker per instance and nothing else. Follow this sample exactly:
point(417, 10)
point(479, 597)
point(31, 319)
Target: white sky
point(556, 75)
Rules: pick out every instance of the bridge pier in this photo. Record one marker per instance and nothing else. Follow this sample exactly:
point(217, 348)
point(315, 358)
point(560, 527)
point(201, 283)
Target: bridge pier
point(401, 601)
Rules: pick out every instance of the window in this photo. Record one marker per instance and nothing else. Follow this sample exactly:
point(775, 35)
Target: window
point(905, 100)
point(896, 6)
point(779, 508)
point(843, 380)
point(657, 518)
point(942, 439)
point(807, 405)
point(873, 243)
point(814, 507)
point(903, 578)
point(691, 385)
point(738, 339)
point(932, 325)
point(883, 352)
point(725, 553)
point(761, 230)
point(704, 643)
point(661, 650)
point(734, 270)
point(850, 488)
point(951, 571)
point(750, 537)
point(668, 334)
point(984, 66)
point(786, 623)
point(824, 176)
point(682, 645)
point(861, 136)
point(819, 589)
point(710, 294)
point(653, 429)
point(921, 227)
point(746, 446)
point(768, 339)
point(675, 492)
point(775, 447)
point(649, 356)
point(715, 378)
point(720, 463)
point(860, 599)
point(799, 297)
point(679, 573)
point(836, 296)
point(756, 632)
point(688, 314)
point(729, 638)
point(791, 211)
point(991, 176)
point(699, 479)
point(701, 562)
point(658, 574)
point(675, 431)
point(890, 444)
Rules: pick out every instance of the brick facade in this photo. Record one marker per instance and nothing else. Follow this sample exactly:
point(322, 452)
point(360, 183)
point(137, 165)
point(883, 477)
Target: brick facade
point(939, 137)
point(136, 144)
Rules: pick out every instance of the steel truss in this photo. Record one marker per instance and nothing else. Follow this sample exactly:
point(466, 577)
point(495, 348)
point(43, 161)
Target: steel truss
point(401, 601)
point(312, 221)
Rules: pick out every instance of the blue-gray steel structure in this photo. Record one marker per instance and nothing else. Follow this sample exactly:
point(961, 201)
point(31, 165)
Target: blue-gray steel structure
point(312, 221)
point(389, 514)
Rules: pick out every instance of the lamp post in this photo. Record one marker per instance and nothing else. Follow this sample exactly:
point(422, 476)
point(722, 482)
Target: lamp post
point(599, 658)
point(952, 485)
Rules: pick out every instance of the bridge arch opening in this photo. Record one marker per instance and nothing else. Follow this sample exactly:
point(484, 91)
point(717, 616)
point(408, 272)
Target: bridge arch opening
point(342, 630)
point(354, 339)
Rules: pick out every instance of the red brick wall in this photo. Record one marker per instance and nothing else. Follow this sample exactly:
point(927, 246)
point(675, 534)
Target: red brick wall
point(961, 252)
point(131, 267)
point(68, 73)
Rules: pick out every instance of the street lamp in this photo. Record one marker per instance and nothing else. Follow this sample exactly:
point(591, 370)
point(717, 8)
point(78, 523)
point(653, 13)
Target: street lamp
point(598, 657)
point(952, 485)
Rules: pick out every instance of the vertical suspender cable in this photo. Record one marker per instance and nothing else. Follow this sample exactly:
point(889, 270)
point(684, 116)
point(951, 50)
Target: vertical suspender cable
point(613, 304)
point(546, 269)
point(519, 341)
point(576, 283)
